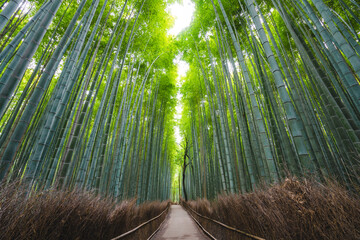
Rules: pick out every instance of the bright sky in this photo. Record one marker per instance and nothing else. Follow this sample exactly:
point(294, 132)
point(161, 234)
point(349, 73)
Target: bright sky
point(182, 69)
point(183, 14)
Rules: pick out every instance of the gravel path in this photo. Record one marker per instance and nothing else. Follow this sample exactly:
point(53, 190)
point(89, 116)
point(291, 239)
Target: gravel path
point(179, 225)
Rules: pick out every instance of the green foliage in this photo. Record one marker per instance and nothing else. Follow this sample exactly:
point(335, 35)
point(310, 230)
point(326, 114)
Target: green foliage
point(272, 87)
point(107, 117)
point(254, 88)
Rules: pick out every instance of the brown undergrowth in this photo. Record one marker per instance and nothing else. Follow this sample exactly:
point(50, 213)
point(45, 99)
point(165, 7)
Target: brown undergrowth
point(72, 215)
point(292, 209)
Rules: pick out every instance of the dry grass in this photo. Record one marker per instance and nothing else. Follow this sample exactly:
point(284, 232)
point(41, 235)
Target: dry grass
point(291, 210)
point(72, 215)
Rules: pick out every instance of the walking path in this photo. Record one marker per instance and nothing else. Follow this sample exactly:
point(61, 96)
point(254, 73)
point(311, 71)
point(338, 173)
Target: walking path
point(179, 225)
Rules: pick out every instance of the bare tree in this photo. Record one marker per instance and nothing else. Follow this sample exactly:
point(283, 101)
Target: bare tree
point(186, 155)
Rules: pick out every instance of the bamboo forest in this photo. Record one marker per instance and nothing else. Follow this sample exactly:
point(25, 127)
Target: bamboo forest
point(247, 117)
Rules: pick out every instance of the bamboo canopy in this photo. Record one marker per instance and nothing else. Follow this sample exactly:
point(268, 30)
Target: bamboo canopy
point(88, 91)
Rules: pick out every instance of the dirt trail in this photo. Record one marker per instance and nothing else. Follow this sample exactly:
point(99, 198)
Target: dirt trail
point(179, 225)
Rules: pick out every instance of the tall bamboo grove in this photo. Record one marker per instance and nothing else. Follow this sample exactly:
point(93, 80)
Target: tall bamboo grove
point(86, 97)
point(274, 91)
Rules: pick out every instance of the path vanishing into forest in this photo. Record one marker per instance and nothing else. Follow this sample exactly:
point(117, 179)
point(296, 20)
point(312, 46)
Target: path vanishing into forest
point(179, 225)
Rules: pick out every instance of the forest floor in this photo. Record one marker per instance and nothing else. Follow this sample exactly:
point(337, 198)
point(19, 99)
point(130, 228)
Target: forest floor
point(179, 225)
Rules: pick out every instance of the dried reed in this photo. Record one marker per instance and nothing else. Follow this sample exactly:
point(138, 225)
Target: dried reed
point(72, 215)
point(293, 209)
